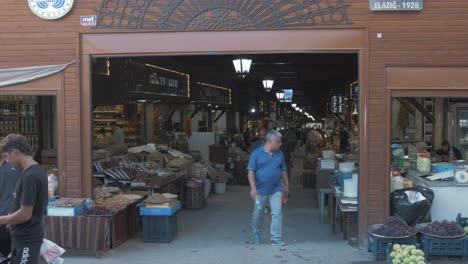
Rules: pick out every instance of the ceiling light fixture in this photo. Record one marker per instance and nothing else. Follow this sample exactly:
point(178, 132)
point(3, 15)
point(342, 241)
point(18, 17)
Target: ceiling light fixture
point(280, 95)
point(294, 105)
point(268, 84)
point(242, 66)
point(355, 112)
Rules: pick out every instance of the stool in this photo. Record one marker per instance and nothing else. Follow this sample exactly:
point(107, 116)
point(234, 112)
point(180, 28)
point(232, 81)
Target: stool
point(321, 201)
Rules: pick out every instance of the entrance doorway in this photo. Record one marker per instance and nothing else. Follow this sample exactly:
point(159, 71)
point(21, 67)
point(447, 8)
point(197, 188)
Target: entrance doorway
point(353, 40)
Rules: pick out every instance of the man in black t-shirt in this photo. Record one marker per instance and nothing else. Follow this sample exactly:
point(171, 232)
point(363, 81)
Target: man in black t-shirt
point(8, 178)
point(443, 154)
point(29, 201)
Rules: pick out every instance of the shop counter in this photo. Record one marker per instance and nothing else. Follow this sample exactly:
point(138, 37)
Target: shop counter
point(90, 234)
point(347, 210)
point(449, 196)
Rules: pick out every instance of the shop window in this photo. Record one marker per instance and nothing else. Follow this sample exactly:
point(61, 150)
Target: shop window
point(35, 117)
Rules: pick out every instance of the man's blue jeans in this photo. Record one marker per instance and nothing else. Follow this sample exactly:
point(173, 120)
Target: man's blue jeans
point(276, 204)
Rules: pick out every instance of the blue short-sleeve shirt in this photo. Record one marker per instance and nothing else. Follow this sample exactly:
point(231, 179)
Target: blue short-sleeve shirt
point(267, 169)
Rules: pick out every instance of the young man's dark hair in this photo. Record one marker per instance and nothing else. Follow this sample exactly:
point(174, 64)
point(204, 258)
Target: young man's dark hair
point(445, 143)
point(16, 141)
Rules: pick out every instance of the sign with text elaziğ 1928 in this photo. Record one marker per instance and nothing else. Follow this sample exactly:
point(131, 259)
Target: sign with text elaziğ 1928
point(396, 5)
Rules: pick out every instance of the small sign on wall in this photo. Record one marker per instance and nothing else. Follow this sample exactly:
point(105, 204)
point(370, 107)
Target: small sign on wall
point(88, 21)
point(396, 5)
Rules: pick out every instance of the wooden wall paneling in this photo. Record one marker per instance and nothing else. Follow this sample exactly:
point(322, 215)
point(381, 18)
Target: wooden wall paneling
point(86, 126)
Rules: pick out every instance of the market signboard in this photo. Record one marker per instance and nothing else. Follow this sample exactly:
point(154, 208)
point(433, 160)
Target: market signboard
point(153, 80)
point(207, 93)
point(396, 5)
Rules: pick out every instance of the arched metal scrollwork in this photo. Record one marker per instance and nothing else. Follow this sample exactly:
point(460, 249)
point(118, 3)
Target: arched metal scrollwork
point(219, 14)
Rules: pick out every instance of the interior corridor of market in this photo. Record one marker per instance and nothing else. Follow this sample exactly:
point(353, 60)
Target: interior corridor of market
point(221, 233)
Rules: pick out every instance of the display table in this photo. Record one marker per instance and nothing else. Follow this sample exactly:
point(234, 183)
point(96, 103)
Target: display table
point(119, 228)
point(90, 234)
point(448, 196)
point(348, 215)
point(166, 184)
point(347, 212)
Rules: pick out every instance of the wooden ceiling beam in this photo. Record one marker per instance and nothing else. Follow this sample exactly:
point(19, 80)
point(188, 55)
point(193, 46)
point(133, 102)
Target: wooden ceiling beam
point(421, 109)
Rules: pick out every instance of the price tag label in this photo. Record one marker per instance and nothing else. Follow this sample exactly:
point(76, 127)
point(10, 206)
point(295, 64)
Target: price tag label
point(396, 5)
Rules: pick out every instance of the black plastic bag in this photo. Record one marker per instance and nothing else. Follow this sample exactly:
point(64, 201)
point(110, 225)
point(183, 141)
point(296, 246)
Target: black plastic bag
point(412, 204)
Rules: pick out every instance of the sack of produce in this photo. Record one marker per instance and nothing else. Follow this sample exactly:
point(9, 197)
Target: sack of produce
point(412, 204)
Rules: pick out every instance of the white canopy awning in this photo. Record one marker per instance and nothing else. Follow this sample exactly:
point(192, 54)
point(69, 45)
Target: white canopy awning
point(12, 76)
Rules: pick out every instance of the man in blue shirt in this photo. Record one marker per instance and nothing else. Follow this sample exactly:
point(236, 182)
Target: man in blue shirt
point(268, 180)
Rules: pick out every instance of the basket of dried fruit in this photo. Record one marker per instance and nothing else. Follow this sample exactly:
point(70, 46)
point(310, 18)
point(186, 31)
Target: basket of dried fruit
point(98, 211)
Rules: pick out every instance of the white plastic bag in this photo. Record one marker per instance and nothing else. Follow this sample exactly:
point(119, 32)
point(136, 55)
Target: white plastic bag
point(50, 251)
point(52, 185)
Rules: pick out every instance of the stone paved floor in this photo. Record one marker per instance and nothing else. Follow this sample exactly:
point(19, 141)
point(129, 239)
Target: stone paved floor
point(220, 233)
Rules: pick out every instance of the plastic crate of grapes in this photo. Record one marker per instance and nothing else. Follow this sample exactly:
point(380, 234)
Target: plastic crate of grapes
point(463, 221)
point(389, 258)
point(434, 246)
point(392, 230)
point(378, 245)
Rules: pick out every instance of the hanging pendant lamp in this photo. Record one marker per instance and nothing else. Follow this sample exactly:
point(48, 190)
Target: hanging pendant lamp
point(242, 67)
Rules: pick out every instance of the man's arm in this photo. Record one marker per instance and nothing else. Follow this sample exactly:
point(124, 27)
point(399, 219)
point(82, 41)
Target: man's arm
point(24, 214)
point(253, 188)
point(285, 181)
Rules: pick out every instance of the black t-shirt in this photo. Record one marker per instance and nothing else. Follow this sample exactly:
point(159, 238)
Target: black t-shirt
point(8, 178)
point(456, 153)
point(31, 190)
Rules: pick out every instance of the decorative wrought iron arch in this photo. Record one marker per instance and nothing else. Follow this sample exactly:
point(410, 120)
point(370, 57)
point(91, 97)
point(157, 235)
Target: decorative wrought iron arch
point(219, 14)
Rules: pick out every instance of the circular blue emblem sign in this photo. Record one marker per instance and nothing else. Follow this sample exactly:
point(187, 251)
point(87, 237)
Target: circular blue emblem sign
point(50, 9)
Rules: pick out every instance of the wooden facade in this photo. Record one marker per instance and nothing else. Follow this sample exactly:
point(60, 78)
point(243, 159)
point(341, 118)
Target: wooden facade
point(411, 42)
